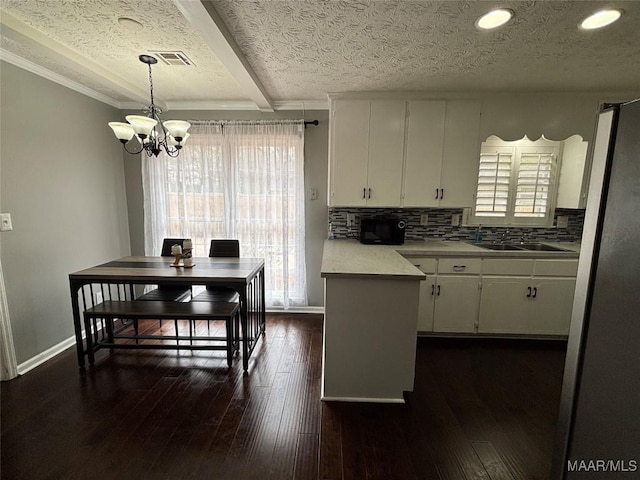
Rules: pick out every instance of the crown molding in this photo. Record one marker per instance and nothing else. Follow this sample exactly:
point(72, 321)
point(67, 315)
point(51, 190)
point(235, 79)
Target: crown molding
point(246, 105)
point(301, 105)
point(56, 78)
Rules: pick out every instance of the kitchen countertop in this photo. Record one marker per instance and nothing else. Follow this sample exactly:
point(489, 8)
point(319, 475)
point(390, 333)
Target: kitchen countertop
point(350, 258)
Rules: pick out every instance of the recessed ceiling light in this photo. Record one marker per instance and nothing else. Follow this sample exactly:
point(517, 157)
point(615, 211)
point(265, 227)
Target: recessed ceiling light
point(601, 19)
point(494, 19)
point(130, 24)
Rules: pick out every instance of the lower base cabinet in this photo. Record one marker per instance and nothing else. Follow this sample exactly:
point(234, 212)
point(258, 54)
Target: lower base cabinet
point(449, 299)
point(531, 306)
point(496, 297)
point(456, 304)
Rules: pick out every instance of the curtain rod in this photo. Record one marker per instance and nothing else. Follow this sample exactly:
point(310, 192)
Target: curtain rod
point(252, 122)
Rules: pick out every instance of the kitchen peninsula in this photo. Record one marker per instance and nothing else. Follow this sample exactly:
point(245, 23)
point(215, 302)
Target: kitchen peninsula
point(371, 312)
point(376, 301)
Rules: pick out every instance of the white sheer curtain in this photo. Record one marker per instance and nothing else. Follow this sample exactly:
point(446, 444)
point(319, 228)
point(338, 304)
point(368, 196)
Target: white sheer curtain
point(243, 180)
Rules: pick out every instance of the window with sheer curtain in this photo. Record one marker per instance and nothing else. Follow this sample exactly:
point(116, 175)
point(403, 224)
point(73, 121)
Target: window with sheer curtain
point(242, 180)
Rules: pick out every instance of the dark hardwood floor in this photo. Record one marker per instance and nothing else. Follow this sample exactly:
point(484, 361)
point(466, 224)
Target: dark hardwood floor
point(481, 409)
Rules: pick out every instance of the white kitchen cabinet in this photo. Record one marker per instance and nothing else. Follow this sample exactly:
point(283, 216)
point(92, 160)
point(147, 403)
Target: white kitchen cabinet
point(533, 297)
point(427, 287)
point(442, 153)
point(390, 153)
point(504, 306)
point(366, 148)
point(572, 189)
point(423, 162)
point(461, 154)
point(551, 306)
point(427, 304)
point(448, 300)
point(349, 152)
point(456, 305)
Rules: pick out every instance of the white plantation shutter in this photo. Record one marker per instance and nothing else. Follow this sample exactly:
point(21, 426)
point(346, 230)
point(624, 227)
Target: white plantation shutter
point(494, 178)
point(534, 182)
point(516, 184)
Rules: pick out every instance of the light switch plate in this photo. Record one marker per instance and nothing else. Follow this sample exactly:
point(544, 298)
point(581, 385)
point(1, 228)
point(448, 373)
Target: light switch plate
point(424, 219)
point(313, 194)
point(5, 222)
point(351, 219)
point(455, 219)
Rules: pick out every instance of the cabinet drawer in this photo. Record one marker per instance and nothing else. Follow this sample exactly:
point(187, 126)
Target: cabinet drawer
point(507, 266)
point(556, 268)
point(459, 265)
point(424, 264)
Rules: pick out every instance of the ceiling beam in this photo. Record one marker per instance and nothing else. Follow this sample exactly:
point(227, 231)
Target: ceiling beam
point(32, 40)
point(208, 23)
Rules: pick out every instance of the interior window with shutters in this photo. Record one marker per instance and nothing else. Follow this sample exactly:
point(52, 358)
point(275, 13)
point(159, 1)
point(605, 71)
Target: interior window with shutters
point(516, 182)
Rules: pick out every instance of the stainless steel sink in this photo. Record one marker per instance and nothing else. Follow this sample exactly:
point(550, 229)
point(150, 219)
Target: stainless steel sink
point(540, 247)
point(498, 246)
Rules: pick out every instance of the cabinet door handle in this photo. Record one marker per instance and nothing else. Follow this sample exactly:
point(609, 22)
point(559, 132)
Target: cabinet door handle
point(369, 193)
point(441, 193)
point(459, 268)
point(364, 193)
point(535, 292)
point(438, 290)
point(433, 287)
point(437, 190)
point(528, 292)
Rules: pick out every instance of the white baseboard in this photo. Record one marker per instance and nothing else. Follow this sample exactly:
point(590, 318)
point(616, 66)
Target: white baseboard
point(296, 310)
point(48, 354)
point(362, 399)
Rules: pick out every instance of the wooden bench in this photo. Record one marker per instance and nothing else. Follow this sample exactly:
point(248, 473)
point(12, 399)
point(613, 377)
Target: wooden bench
point(162, 310)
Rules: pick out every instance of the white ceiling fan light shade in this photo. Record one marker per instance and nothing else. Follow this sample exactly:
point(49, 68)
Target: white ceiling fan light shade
point(601, 19)
point(141, 125)
point(494, 19)
point(122, 131)
point(177, 128)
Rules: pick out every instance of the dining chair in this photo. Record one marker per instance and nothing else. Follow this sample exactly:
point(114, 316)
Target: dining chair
point(229, 248)
point(167, 293)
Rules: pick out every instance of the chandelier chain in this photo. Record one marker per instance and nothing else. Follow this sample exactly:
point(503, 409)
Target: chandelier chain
point(153, 106)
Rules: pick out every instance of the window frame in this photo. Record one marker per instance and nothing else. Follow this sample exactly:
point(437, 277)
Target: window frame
point(495, 145)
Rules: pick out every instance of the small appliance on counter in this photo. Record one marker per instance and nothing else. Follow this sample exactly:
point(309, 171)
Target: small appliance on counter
point(382, 230)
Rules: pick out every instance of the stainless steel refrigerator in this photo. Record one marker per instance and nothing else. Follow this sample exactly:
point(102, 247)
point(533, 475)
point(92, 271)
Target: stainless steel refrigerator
point(599, 421)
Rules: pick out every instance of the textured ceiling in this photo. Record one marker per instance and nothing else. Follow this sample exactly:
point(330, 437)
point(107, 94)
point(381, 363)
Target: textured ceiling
point(91, 28)
point(302, 50)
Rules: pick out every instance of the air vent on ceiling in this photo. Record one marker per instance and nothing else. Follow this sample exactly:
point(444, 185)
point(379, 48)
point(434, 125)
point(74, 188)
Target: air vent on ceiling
point(173, 58)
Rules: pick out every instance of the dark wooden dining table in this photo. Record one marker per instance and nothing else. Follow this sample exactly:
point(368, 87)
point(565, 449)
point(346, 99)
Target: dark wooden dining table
point(116, 279)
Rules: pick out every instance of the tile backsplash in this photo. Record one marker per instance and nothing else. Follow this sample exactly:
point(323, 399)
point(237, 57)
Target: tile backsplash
point(439, 225)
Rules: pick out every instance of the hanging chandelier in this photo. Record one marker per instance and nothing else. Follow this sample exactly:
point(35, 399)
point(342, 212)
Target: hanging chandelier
point(152, 134)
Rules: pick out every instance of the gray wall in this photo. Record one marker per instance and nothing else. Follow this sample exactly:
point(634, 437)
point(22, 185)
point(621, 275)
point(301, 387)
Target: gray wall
point(62, 181)
point(315, 176)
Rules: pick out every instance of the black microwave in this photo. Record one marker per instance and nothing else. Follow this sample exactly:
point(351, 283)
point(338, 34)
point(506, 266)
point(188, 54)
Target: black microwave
point(388, 230)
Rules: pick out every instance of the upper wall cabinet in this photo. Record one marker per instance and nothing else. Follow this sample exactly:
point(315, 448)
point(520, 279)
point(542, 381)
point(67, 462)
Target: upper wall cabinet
point(442, 153)
point(572, 188)
point(366, 146)
point(379, 159)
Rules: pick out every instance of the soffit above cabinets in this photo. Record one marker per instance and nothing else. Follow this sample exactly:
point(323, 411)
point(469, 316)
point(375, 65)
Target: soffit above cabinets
point(268, 53)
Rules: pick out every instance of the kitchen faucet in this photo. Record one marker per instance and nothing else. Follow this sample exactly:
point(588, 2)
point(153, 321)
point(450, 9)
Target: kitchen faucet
point(525, 238)
point(504, 236)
